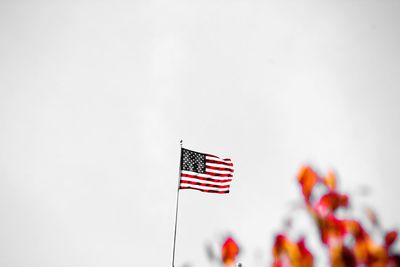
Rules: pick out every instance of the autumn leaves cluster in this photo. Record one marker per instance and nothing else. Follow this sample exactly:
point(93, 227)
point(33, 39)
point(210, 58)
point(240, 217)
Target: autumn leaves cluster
point(346, 240)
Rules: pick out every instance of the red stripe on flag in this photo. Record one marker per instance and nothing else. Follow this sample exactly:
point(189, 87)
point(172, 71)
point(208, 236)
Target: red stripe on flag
point(219, 174)
point(219, 162)
point(218, 168)
point(206, 179)
point(209, 155)
point(204, 184)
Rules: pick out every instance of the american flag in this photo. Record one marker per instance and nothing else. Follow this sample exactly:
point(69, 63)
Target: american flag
point(205, 172)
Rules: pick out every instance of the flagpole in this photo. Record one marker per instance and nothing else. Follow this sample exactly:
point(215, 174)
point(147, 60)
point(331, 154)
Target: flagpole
point(177, 205)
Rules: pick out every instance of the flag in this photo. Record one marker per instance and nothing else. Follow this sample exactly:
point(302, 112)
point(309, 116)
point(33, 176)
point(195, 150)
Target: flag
point(205, 172)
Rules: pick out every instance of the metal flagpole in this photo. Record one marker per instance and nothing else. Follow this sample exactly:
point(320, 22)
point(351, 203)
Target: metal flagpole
point(177, 205)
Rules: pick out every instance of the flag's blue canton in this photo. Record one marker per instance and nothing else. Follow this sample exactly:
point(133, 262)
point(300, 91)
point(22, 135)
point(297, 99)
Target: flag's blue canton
point(193, 161)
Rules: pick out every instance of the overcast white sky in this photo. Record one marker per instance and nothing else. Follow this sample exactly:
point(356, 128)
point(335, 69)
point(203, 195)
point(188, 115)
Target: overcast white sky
point(95, 96)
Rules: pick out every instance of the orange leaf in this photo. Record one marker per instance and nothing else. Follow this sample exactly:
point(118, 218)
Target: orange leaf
point(330, 180)
point(307, 178)
point(229, 251)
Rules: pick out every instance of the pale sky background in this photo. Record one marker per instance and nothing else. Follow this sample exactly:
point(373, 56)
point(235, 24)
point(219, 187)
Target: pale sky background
point(95, 96)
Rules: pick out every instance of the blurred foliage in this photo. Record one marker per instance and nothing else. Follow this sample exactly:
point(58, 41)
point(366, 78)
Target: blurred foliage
point(346, 240)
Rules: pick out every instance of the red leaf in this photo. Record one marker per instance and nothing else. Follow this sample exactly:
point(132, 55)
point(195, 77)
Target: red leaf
point(390, 238)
